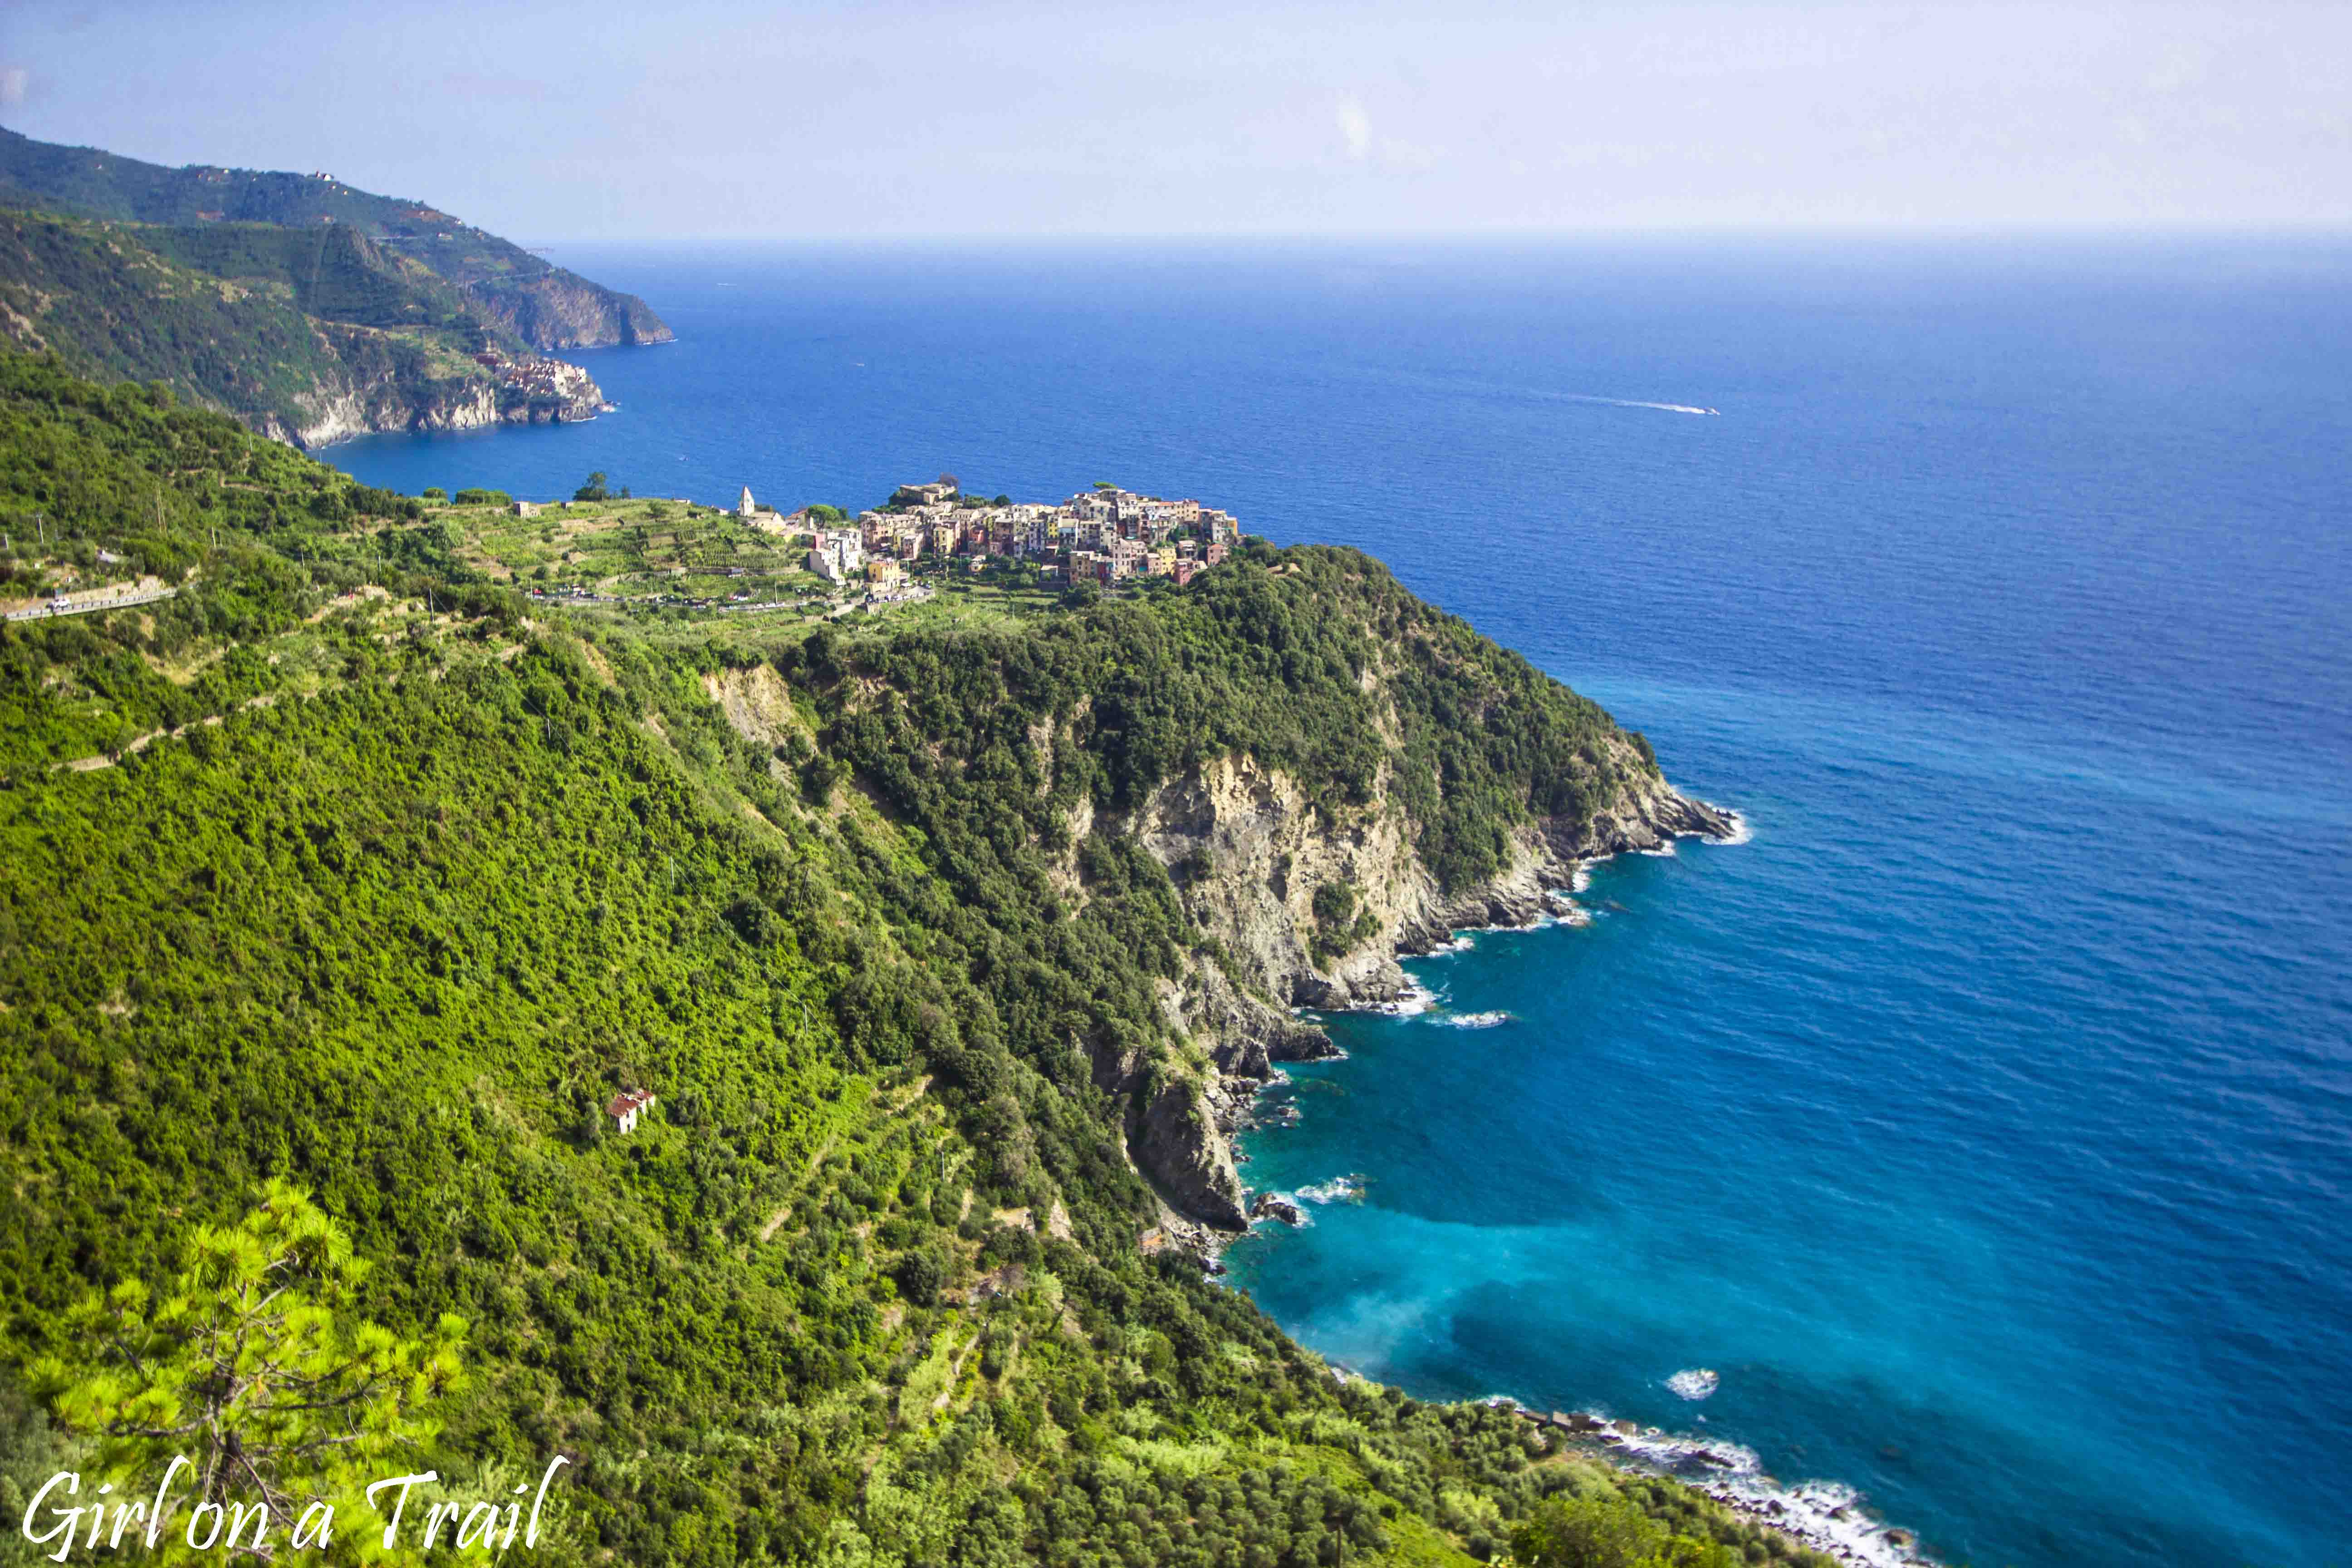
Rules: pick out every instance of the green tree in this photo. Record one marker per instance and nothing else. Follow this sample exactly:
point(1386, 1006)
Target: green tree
point(921, 1273)
point(255, 1369)
point(593, 488)
point(1596, 1531)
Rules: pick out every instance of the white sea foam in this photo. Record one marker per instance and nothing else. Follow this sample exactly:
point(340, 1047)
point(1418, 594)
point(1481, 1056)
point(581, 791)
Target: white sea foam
point(1563, 911)
point(1581, 877)
point(1741, 830)
point(1663, 852)
point(1693, 1382)
point(1416, 1000)
point(1476, 1020)
point(1347, 1189)
point(1825, 1515)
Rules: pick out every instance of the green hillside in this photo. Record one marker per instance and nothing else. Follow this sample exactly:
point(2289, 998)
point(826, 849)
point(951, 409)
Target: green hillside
point(347, 867)
point(545, 306)
point(279, 324)
point(333, 272)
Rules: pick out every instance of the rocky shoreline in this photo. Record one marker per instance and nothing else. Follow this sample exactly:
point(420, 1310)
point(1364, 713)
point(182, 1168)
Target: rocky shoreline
point(1505, 905)
point(1539, 888)
point(1823, 1516)
point(1248, 853)
point(497, 390)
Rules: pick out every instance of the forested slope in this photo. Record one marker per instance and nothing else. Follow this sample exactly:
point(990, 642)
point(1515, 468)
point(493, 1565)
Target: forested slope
point(340, 869)
point(309, 310)
point(301, 325)
point(546, 306)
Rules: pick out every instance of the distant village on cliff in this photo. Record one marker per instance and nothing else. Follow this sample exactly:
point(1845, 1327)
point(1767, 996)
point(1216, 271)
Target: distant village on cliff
point(1104, 535)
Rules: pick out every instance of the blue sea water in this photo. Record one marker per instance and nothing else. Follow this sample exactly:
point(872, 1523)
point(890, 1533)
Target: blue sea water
point(1985, 1122)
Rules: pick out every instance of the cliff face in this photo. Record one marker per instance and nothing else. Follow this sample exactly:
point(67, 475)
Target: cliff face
point(1249, 850)
point(558, 310)
point(1216, 804)
point(364, 406)
point(365, 400)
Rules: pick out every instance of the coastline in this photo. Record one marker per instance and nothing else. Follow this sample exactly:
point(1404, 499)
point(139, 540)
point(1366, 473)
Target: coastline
point(421, 426)
point(1825, 1516)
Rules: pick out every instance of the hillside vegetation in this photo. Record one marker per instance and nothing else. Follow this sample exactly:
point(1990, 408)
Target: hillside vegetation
point(307, 310)
point(111, 301)
point(543, 305)
point(349, 870)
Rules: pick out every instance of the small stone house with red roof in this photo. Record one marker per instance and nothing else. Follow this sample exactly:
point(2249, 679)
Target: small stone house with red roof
point(624, 1109)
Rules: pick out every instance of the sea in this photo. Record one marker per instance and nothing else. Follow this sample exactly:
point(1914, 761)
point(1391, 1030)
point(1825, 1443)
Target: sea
point(1983, 1122)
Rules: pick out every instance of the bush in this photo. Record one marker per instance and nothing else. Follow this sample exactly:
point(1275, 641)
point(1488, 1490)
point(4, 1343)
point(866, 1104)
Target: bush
point(919, 1275)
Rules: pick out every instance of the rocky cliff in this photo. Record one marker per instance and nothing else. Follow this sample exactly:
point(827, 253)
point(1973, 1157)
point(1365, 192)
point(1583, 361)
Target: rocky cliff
point(1202, 808)
point(1250, 850)
point(557, 309)
point(357, 396)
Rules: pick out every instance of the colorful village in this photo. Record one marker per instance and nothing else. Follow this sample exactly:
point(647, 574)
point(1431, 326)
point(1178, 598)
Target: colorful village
point(1104, 535)
point(927, 543)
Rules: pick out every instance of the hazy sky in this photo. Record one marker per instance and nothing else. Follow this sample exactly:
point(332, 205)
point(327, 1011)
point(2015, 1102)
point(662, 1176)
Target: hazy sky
point(587, 120)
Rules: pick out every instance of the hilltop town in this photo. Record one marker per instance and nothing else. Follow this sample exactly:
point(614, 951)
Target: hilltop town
point(927, 543)
point(1104, 535)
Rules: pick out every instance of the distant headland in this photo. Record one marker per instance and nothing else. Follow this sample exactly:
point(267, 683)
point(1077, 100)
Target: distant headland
point(309, 310)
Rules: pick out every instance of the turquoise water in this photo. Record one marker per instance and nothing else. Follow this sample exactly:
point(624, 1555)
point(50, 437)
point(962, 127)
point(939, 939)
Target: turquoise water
point(1985, 1122)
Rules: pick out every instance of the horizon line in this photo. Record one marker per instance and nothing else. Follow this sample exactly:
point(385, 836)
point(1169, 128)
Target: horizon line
point(2338, 232)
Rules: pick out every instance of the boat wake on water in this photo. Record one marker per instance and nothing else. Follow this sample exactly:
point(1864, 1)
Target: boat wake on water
point(1636, 403)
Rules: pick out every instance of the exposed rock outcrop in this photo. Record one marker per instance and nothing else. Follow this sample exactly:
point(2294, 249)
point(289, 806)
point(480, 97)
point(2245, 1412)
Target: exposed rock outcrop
point(1248, 849)
point(506, 392)
point(1275, 1207)
point(1178, 1143)
point(557, 309)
